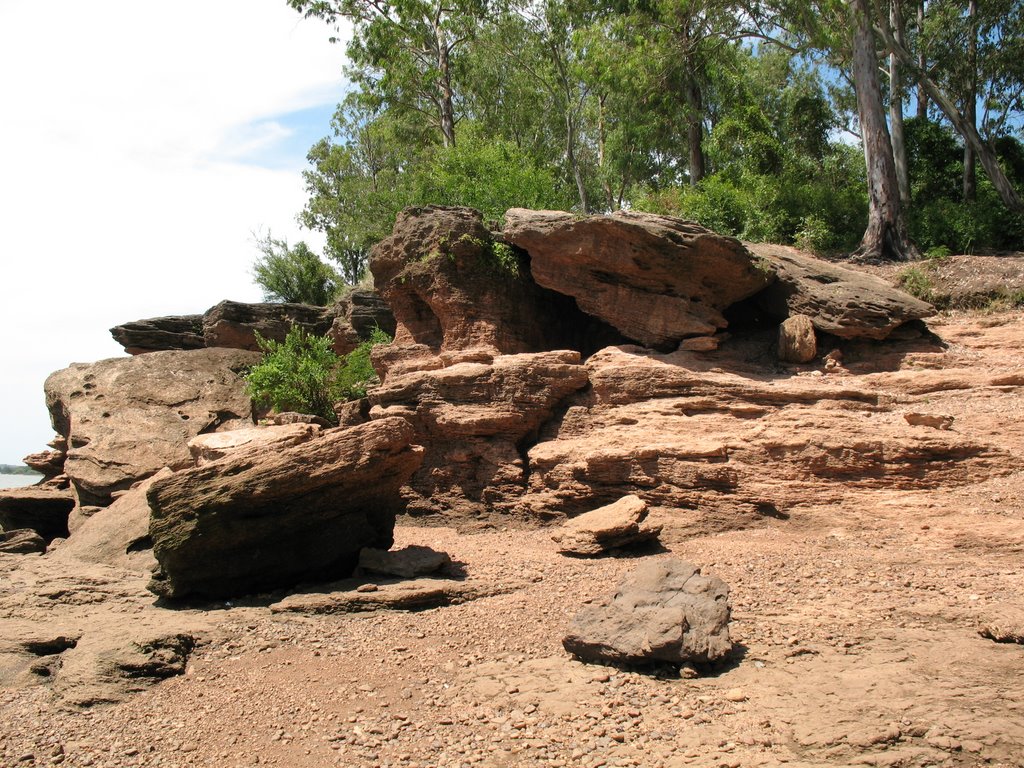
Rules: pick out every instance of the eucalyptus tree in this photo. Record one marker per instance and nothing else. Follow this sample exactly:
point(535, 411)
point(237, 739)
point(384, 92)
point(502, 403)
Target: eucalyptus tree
point(984, 57)
point(406, 52)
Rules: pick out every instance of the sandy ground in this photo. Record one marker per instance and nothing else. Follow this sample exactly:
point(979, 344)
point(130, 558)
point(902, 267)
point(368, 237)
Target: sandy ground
point(858, 627)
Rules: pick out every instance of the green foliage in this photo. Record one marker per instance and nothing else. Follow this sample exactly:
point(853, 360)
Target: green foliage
point(491, 175)
point(303, 373)
point(356, 374)
point(917, 282)
point(293, 274)
point(939, 218)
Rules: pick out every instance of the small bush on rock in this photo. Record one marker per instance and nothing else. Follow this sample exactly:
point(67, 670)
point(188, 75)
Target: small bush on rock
point(303, 373)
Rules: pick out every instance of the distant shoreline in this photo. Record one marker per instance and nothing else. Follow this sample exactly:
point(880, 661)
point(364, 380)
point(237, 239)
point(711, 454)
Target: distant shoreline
point(18, 469)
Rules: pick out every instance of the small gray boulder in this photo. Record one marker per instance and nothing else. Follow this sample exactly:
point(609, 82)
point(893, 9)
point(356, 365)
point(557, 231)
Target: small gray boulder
point(665, 611)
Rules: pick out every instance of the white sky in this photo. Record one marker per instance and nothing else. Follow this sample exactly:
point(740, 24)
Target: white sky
point(141, 145)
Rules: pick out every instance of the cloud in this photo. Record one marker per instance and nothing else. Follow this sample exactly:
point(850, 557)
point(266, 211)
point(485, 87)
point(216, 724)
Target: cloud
point(141, 145)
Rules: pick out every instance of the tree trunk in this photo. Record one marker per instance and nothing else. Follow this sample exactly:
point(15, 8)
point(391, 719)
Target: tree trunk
point(570, 156)
point(971, 102)
point(969, 132)
point(444, 68)
point(695, 129)
point(606, 184)
point(922, 95)
point(899, 147)
point(886, 235)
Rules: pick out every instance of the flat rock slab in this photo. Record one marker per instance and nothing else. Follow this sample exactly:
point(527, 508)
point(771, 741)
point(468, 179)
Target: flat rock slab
point(269, 519)
point(621, 524)
point(408, 562)
point(664, 611)
point(24, 541)
point(160, 333)
point(217, 445)
point(356, 597)
point(43, 510)
point(840, 301)
point(656, 279)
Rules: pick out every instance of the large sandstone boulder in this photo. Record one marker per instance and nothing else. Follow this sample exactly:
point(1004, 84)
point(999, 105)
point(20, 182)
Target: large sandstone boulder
point(453, 286)
point(156, 334)
point(126, 418)
point(665, 611)
point(657, 279)
point(43, 510)
point(841, 301)
point(234, 324)
point(473, 418)
point(260, 520)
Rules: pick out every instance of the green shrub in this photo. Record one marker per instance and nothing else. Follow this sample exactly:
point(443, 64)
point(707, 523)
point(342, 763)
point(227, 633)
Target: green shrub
point(303, 373)
point(356, 373)
point(293, 274)
point(917, 283)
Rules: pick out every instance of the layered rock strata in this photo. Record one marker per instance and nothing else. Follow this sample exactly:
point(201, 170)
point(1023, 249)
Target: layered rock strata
point(475, 419)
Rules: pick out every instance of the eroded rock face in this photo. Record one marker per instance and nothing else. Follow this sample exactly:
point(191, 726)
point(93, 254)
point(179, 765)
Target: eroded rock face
point(473, 418)
point(721, 444)
point(657, 279)
point(453, 286)
point(156, 334)
point(355, 316)
point(665, 611)
point(260, 520)
point(839, 301)
point(126, 418)
point(43, 510)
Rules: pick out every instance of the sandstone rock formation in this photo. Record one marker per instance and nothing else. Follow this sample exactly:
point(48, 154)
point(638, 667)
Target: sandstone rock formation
point(43, 510)
point(126, 418)
point(234, 325)
point(258, 520)
point(160, 333)
point(473, 418)
point(665, 611)
point(724, 443)
point(657, 279)
point(621, 524)
point(453, 286)
point(838, 300)
point(356, 314)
